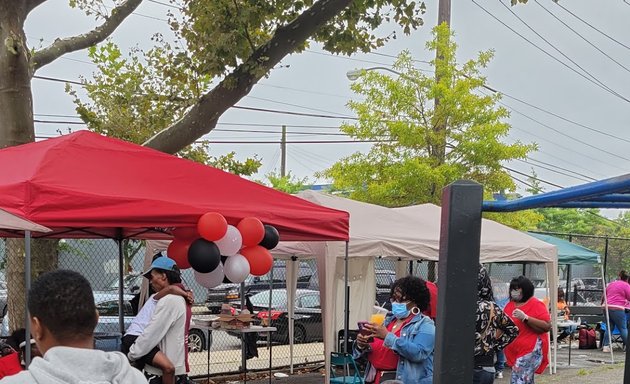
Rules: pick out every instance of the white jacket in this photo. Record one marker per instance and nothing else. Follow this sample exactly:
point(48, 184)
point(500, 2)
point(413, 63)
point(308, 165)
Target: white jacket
point(166, 330)
point(78, 366)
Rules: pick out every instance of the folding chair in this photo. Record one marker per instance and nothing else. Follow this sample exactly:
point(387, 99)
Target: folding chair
point(346, 363)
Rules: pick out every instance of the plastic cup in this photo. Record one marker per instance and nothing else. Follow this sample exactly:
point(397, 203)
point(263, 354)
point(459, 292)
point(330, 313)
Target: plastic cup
point(377, 318)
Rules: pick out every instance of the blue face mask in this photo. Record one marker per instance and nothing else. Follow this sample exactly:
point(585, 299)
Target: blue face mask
point(399, 310)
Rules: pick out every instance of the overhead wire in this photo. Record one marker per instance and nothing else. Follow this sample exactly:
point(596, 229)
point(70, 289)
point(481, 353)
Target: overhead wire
point(586, 177)
point(582, 37)
point(592, 26)
point(562, 53)
point(547, 53)
point(554, 170)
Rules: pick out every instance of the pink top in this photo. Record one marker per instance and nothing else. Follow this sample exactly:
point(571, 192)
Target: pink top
point(618, 294)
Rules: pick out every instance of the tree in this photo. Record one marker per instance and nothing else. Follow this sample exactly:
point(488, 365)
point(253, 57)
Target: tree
point(408, 165)
point(235, 43)
point(288, 183)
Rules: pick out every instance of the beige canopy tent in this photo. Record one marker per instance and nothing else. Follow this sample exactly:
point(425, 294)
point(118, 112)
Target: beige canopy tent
point(501, 244)
point(375, 231)
point(13, 223)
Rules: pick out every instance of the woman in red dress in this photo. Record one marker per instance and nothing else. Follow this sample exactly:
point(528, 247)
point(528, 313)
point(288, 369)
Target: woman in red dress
point(528, 353)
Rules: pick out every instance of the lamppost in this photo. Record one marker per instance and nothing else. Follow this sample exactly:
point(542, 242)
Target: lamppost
point(354, 74)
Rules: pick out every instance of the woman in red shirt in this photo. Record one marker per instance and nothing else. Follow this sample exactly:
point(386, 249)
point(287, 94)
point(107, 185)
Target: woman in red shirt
point(528, 353)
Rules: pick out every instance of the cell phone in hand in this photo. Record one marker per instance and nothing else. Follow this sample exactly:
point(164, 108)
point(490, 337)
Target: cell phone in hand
point(364, 331)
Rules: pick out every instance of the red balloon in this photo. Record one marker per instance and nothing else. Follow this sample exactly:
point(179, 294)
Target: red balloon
point(212, 226)
point(185, 233)
point(259, 258)
point(252, 230)
point(178, 251)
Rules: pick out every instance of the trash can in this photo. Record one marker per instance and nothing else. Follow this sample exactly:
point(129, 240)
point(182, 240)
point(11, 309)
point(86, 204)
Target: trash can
point(107, 341)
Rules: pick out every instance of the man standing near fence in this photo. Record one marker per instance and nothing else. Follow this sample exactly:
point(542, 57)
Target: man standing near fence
point(167, 326)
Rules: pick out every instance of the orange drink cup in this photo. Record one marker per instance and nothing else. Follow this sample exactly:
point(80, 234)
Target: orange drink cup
point(377, 318)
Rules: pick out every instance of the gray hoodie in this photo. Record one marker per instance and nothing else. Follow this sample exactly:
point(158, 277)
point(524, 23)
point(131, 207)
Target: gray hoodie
point(78, 366)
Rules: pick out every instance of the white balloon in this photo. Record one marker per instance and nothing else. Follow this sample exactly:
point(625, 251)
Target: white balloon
point(210, 279)
point(231, 243)
point(236, 268)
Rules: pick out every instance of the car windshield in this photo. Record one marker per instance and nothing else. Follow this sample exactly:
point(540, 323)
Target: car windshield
point(278, 299)
point(127, 282)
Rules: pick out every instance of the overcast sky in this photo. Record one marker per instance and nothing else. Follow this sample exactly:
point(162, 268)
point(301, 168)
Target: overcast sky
point(315, 82)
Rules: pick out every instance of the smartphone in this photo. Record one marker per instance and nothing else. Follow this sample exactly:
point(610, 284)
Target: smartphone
point(364, 331)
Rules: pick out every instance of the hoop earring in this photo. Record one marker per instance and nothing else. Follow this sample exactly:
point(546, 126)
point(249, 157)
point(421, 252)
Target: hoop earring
point(415, 311)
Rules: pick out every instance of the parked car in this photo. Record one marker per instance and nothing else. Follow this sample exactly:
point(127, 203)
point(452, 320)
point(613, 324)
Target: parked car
point(3, 297)
point(107, 306)
point(384, 280)
point(226, 293)
point(131, 284)
point(307, 315)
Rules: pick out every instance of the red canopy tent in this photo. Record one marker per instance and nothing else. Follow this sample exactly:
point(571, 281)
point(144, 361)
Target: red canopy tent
point(85, 185)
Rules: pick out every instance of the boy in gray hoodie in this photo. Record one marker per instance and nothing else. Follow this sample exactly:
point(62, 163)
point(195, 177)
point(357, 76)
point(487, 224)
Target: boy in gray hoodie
point(63, 317)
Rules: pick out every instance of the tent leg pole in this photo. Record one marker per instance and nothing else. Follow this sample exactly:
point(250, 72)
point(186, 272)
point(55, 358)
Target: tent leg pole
point(121, 273)
point(608, 330)
point(346, 320)
point(27, 283)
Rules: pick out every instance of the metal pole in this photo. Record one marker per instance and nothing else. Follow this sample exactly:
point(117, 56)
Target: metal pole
point(605, 264)
point(121, 273)
point(243, 351)
point(283, 152)
point(346, 320)
point(27, 283)
point(460, 236)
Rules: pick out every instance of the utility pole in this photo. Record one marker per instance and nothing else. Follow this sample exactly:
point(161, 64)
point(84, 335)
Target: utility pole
point(438, 148)
point(283, 152)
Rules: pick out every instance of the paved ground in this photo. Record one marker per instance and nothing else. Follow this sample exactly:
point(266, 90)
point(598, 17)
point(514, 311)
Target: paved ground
point(587, 367)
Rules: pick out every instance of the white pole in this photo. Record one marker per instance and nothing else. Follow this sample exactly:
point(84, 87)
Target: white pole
point(612, 356)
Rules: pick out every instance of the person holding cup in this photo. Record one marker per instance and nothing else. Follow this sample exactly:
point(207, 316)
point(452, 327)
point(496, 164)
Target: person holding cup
point(404, 341)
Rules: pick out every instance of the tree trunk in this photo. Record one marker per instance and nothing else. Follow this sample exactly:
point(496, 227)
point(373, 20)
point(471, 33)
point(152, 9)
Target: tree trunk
point(16, 100)
point(17, 127)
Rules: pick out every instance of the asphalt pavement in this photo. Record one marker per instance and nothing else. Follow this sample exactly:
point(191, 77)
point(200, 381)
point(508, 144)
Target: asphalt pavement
point(587, 367)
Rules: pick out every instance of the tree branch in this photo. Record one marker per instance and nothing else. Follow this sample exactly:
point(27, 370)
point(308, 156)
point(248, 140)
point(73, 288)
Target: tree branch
point(70, 44)
point(32, 4)
point(203, 116)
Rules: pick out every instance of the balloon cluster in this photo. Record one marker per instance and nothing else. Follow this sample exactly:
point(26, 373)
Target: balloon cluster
point(222, 253)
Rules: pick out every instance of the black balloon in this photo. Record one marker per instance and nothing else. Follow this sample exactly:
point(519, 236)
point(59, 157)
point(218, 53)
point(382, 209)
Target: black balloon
point(204, 256)
point(271, 239)
point(225, 279)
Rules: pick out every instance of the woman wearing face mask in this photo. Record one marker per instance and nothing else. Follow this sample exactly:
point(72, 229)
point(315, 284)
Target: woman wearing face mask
point(405, 341)
point(527, 354)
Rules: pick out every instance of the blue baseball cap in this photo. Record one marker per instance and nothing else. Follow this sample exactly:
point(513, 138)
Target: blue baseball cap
point(162, 262)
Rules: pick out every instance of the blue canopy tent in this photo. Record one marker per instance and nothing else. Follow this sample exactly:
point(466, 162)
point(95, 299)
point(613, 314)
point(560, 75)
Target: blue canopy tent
point(462, 206)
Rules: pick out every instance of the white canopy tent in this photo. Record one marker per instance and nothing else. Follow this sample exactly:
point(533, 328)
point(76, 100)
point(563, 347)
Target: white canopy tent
point(501, 244)
point(375, 231)
point(13, 223)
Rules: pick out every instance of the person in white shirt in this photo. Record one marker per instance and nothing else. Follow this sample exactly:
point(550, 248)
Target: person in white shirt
point(63, 317)
point(162, 337)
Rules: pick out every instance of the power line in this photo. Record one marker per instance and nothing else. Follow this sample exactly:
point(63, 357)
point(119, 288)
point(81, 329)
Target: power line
point(56, 80)
point(296, 105)
point(361, 60)
point(564, 134)
point(588, 178)
point(553, 170)
point(562, 117)
point(547, 53)
point(582, 37)
point(592, 26)
point(293, 113)
point(165, 4)
point(562, 53)
point(532, 177)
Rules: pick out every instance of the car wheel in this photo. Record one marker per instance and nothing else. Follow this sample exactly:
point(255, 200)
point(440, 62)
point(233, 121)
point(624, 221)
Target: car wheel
point(299, 335)
point(196, 340)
